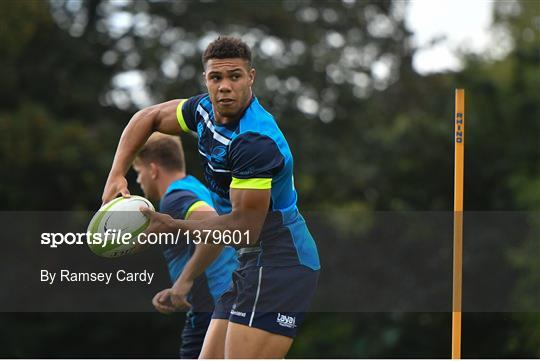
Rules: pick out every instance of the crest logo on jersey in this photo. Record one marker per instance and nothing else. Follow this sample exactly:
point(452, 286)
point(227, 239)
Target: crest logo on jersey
point(218, 154)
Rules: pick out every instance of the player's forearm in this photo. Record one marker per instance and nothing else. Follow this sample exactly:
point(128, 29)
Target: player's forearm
point(203, 256)
point(138, 130)
point(248, 224)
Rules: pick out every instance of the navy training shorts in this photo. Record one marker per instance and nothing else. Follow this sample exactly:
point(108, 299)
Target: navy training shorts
point(270, 298)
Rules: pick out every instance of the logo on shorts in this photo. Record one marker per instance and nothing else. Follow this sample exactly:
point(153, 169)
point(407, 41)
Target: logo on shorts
point(237, 313)
point(286, 321)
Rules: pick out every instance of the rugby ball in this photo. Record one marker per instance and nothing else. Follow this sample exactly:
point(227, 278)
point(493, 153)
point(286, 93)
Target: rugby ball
point(113, 230)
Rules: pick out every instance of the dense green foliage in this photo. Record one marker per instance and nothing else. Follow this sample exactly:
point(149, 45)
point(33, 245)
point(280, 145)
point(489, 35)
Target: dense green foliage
point(367, 132)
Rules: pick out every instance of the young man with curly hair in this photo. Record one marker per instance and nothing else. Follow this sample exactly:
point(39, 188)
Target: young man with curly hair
point(248, 168)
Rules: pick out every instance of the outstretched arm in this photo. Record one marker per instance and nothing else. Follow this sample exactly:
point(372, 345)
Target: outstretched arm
point(156, 118)
point(249, 210)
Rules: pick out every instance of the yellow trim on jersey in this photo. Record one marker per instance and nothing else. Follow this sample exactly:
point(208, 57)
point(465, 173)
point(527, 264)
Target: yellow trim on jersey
point(252, 183)
point(194, 207)
point(180, 116)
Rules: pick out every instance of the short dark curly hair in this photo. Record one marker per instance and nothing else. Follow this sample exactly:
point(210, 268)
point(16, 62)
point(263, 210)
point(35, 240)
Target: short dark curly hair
point(225, 47)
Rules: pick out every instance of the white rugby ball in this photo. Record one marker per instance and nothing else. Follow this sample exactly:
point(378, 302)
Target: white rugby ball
point(113, 221)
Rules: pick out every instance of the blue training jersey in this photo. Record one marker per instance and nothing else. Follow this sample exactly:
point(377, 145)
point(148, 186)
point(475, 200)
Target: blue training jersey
point(252, 153)
point(181, 198)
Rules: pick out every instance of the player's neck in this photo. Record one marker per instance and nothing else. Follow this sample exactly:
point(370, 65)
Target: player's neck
point(166, 180)
point(227, 120)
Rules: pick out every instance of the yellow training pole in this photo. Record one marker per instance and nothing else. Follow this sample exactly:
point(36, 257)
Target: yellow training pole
point(458, 222)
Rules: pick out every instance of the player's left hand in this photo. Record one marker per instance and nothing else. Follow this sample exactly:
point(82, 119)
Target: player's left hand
point(159, 222)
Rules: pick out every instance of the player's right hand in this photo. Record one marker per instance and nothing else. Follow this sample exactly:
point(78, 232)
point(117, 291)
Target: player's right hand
point(162, 301)
point(179, 293)
point(114, 186)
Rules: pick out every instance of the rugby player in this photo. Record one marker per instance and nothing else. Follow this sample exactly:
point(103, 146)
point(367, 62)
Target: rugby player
point(199, 282)
point(248, 168)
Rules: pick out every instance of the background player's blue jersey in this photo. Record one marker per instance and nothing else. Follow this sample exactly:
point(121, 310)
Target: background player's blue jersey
point(181, 198)
point(252, 153)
